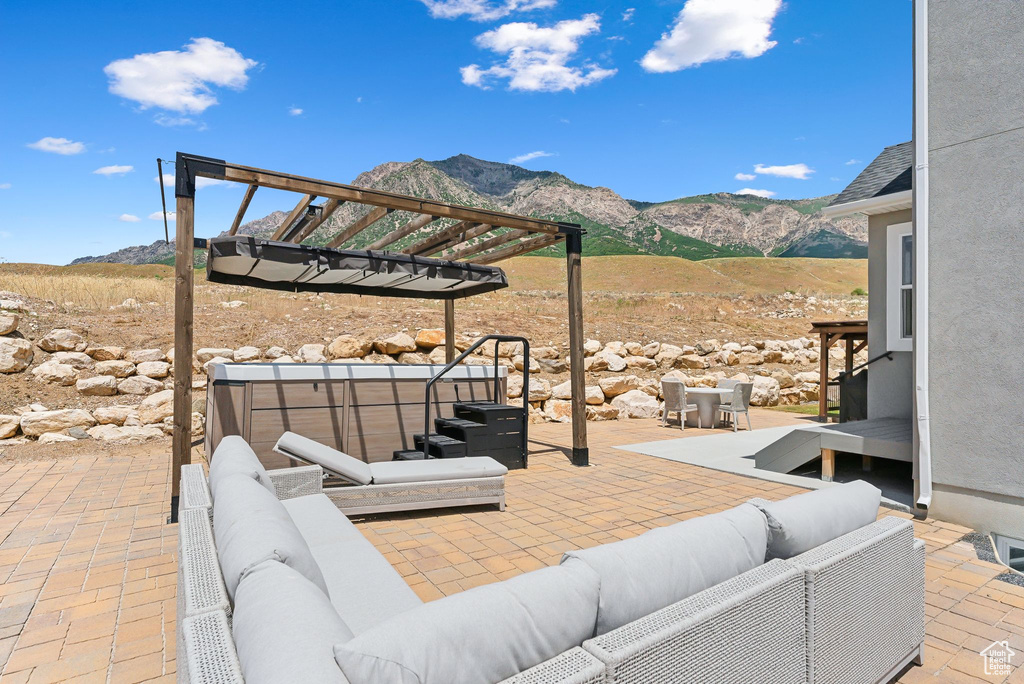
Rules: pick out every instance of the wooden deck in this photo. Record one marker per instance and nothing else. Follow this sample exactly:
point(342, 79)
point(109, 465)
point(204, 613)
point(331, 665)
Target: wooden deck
point(88, 562)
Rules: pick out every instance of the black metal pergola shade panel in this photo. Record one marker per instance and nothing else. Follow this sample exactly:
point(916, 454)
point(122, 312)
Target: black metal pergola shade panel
point(268, 264)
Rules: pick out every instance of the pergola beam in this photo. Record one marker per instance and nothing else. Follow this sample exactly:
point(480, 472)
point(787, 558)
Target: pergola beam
point(432, 242)
point(461, 238)
point(520, 248)
point(470, 250)
point(361, 224)
point(299, 209)
point(399, 233)
point(330, 206)
point(242, 208)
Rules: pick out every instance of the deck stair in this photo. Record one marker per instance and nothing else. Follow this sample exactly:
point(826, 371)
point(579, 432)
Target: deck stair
point(478, 429)
point(890, 438)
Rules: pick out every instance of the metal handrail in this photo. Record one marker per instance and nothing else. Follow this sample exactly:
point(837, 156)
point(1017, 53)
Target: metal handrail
point(460, 357)
point(883, 355)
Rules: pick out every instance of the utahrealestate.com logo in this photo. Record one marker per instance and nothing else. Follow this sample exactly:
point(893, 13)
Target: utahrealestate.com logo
point(998, 658)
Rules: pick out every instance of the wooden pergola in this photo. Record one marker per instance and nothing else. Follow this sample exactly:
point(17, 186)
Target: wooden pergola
point(440, 235)
point(854, 335)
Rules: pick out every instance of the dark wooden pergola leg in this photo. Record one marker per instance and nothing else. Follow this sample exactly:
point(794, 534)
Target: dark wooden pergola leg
point(184, 274)
point(823, 379)
point(449, 330)
point(573, 254)
point(849, 353)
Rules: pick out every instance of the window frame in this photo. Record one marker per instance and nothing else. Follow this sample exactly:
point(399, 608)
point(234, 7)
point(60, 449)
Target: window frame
point(1002, 546)
point(895, 234)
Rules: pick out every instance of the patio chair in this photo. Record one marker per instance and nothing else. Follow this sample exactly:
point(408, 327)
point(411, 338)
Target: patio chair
point(740, 404)
point(726, 383)
point(674, 392)
point(389, 486)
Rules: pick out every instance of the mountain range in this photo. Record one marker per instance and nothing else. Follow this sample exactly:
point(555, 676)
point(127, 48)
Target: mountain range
point(698, 227)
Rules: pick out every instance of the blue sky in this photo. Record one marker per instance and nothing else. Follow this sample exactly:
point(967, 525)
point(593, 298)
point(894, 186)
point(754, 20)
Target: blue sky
point(654, 99)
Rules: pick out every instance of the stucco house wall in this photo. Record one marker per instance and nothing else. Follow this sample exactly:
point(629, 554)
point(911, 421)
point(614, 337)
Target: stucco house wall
point(890, 383)
point(976, 259)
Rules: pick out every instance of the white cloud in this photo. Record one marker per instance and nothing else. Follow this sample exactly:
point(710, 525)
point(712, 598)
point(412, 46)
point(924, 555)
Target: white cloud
point(172, 121)
point(834, 178)
point(628, 14)
point(799, 171)
point(530, 155)
point(57, 146)
point(114, 170)
point(744, 176)
point(755, 192)
point(179, 80)
point(201, 182)
point(537, 58)
point(710, 30)
point(295, 111)
point(159, 215)
point(5, 186)
point(128, 218)
point(852, 162)
point(483, 10)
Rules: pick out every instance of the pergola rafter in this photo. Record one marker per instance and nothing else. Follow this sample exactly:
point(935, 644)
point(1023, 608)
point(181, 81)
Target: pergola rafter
point(524, 234)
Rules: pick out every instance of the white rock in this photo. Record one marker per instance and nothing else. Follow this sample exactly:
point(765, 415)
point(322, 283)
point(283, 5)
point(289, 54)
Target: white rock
point(137, 356)
point(558, 410)
point(105, 353)
point(154, 369)
point(651, 350)
point(55, 373)
point(77, 360)
point(591, 347)
point(129, 433)
point(616, 364)
point(411, 358)
point(396, 344)
point(807, 377)
point(9, 425)
point(234, 304)
point(726, 357)
point(99, 386)
point(765, 392)
point(207, 353)
point(276, 353)
point(312, 353)
point(112, 415)
point(139, 385)
point(245, 354)
point(115, 367)
point(156, 407)
point(734, 347)
point(223, 359)
point(784, 379)
point(54, 437)
point(8, 322)
point(36, 423)
point(641, 362)
point(15, 354)
point(708, 347)
point(618, 384)
point(749, 358)
point(637, 404)
point(668, 355)
point(437, 356)
point(540, 389)
point(61, 339)
point(602, 412)
point(279, 359)
point(692, 361)
point(514, 386)
point(349, 347)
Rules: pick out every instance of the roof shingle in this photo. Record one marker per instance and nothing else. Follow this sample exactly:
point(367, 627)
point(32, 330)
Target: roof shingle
point(890, 172)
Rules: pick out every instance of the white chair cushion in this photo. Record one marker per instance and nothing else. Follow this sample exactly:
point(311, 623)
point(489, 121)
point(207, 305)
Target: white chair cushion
point(804, 521)
point(396, 472)
point(251, 526)
point(665, 565)
point(484, 634)
point(285, 629)
point(331, 460)
point(319, 520)
point(234, 456)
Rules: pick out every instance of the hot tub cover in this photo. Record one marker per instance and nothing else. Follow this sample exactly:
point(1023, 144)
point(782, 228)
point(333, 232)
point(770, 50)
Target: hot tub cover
point(247, 260)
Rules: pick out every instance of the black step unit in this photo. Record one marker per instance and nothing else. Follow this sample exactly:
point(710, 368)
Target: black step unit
point(441, 446)
point(501, 436)
point(407, 455)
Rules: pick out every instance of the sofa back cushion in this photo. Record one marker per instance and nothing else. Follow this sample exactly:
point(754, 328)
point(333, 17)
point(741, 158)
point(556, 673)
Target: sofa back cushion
point(804, 521)
point(251, 526)
point(234, 456)
point(484, 634)
point(665, 565)
point(285, 628)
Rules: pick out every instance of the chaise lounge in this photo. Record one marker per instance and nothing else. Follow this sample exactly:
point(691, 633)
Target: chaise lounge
point(390, 486)
point(809, 589)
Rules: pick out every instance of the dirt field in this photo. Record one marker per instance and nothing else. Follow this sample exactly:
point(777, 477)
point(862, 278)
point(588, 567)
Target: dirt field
point(626, 298)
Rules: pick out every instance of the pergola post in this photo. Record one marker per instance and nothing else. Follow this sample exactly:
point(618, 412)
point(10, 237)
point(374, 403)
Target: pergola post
point(449, 330)
point(573, 270)
point(184, 274)
point(823, 378)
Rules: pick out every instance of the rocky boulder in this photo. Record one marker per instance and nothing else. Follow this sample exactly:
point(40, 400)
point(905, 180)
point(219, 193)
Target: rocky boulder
point(312, 353)
point(35, 423)
point(139, 385)
point(15, 354)
point(411, 358)
point(784, 379)
point(708, 347)
point(668, 355)
point(276, 353)
point(430, 338)
point(99, 386)
point(115, 367)
point(348, 347)
point(558, 410)
point(217, 360)
point(105, 353)
point(113, 415)
point(246, 354)
point(641, 363)
point(591, 347)
point(207, 353)
point(154, 369)
point(8, 322)
point(77, 360)
point(514, 386)
point(540, 389)
point(54, 437)
point(61, 339)
point(637, 404)
point(692, 361)
point(602, 412)
point(138, 356)
point(766, 391)
point(156, 407)
point(127, 434)
point(55, 373)
point(618, 384)
point(395, 344)
point(9, 425)
point(750, 358)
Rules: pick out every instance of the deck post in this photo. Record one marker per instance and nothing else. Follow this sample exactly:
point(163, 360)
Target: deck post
point(828, 464)
point(449, 330)
point(823, 379)
point(184, 274)
point(573, 255)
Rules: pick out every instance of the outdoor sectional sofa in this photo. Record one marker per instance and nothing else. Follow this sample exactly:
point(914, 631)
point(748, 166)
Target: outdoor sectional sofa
point(809, 589)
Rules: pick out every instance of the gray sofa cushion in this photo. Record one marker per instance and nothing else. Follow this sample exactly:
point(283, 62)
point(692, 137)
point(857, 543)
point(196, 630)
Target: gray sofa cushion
point(250, 526)
point(804, 521)
point(395, 472)
point(285, 629)
point(319, 520)
point(484, 634)
point(234, 456)
point(331, 460)
point(665, 565)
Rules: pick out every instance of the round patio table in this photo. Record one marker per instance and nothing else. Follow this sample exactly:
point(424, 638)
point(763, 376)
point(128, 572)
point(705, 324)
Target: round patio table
point(707, 399)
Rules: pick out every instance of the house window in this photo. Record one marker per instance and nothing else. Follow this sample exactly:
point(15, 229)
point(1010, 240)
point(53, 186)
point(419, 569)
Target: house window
point(1010, 551)
point(900, 287)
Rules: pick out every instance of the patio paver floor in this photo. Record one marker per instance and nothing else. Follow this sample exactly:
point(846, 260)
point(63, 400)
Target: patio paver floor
point(87, 560)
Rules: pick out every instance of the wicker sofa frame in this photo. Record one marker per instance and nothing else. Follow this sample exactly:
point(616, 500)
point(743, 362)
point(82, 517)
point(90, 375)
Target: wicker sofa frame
point(850, 610)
